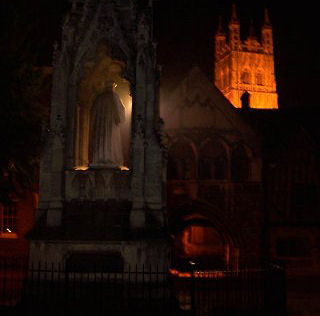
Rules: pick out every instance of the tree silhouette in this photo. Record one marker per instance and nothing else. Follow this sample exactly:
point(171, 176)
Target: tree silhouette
point(23, 105)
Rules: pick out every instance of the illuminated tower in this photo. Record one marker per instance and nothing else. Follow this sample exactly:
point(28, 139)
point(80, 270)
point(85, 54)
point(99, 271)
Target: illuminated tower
point(246, 66)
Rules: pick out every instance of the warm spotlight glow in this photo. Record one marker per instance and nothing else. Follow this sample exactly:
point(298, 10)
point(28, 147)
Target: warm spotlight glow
point(198, 274)
point(124, 168)
point(83, 168)
point(127, 101)
point(180, 274)
point(209, 274)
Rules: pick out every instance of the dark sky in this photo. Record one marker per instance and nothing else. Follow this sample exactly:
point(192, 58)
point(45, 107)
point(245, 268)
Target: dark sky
point(185, 30)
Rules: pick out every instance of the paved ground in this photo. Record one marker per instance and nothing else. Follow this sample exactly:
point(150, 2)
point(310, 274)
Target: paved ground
point(303, 298)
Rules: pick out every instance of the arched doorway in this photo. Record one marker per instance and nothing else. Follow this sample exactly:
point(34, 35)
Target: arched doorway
point(204, 244)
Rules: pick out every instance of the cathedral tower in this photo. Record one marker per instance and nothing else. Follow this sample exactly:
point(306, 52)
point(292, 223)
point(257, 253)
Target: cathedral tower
point(246, 66)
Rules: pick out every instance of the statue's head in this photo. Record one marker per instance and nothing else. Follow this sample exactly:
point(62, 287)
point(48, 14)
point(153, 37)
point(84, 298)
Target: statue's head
point(110, 84)
point(105, 84)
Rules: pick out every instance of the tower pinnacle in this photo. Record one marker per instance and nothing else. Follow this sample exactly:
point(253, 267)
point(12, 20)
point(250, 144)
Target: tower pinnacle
point(266, 22)
point(220, 30)
point(234, 16)
point(234, 29)
point(252, 32)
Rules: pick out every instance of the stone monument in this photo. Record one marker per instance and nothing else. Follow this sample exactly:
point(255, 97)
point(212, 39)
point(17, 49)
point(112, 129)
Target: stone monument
point(102, 170)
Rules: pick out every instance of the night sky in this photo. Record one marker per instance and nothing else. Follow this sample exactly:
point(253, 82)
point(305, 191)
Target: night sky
point(185, 30)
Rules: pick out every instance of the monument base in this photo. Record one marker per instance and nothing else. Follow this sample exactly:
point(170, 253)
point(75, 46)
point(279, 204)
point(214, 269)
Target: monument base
point(128, 255)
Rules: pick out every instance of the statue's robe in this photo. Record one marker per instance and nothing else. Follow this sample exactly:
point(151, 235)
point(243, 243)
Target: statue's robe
point(106, 115)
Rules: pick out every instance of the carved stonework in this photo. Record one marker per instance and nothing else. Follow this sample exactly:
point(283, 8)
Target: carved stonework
point(97, 185)
point(246, 66)
point(84, 199)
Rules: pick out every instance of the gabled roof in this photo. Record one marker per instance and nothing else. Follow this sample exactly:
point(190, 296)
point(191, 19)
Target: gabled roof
point(198, 103)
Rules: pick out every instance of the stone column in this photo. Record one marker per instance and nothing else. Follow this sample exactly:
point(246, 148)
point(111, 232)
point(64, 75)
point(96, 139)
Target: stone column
point(52, 173)
point(137, 216)
point(153, 152)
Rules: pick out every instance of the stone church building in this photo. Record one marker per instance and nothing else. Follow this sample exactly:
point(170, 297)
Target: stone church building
point(214, 174)
point(243, 176)
point(209, 185)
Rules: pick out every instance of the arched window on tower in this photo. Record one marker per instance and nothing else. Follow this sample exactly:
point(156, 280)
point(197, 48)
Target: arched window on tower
point(221, 79)
point(259, 79)
point(213, 161)
point(245, 77)
point(226, 78)
point(181, 161)
point(239, 164)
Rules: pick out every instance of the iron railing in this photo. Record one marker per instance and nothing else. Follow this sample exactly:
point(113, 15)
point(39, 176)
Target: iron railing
point(51, 289)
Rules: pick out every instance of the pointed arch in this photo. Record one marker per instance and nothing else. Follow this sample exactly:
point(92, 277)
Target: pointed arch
point(98, 67)
point(182, 160)
point(240, 163)
point(259, 78)
point(213, 160)
point(246, 76)
point(104, 27)
point(208, 222)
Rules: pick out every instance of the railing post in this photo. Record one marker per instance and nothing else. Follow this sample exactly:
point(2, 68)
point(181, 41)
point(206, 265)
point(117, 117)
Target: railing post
point(193, 289)
point(66, 287)
point(283, 289)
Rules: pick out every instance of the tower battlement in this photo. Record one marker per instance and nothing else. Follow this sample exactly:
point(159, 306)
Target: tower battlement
point(246, 66)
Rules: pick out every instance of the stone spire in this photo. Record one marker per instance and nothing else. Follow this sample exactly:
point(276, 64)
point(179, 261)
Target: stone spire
point(266, 34)
point(220, 39)
point(252, 32)
point(220, 30)
point(234, 30)
point(266, 23)
point(234, 16)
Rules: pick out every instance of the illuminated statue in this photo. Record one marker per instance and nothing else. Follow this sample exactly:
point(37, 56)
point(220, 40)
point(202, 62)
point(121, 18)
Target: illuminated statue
point(106, 115)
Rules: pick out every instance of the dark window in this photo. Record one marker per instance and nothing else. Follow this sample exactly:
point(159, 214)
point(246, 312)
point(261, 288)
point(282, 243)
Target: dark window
point(259, 79)
point(245, 77)
point(172, 168)
point(205, 165)
point(213, 161)
point(239, 164)
point(220, 167)
point(181, 162)
point(292, 247)
point(304, 201)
